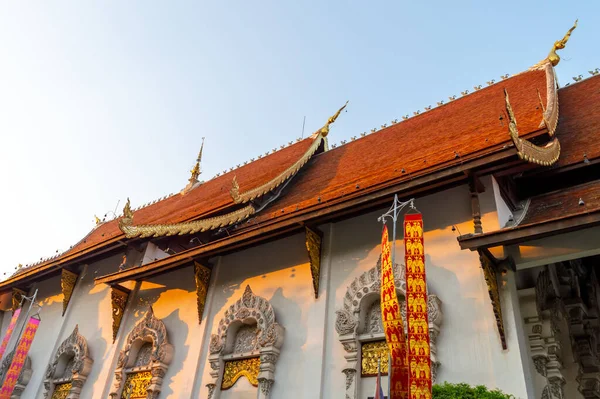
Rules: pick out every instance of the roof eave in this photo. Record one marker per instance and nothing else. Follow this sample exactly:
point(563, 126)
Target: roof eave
point(530, 232)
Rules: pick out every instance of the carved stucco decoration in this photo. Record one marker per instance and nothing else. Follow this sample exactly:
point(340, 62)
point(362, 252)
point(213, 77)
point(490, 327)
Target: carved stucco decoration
point(71, 365)
point(359, 321)
point(24, 377)
point(118, 296)
point(17, 295)
point(248, 328)
point(202, 278)
point(148, 330)
point(571, 291)
point(313, 246)
point(68, 279)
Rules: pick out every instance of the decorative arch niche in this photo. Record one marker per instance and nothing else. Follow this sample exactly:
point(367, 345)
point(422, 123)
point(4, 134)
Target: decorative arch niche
point(360, 328)
point(144, 361)
point(247, 343)
point(69, 369)
point(24, 377)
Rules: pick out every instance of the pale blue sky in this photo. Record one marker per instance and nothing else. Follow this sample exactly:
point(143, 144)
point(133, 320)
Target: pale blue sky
point(108, 99)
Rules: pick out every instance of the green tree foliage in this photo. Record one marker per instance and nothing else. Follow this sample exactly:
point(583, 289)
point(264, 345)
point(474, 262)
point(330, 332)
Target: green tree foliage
point(465, 391)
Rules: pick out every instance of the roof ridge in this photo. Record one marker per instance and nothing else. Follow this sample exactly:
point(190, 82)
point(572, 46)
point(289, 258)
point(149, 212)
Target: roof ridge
point(580, 78)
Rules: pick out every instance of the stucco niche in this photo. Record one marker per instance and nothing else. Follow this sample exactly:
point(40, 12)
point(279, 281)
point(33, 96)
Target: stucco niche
point(359, 321)
point(71, 365)
point(24, 377)
point(248, 329)
point(147, 349)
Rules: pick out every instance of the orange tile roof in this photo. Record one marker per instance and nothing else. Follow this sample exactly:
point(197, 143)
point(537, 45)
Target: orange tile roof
point(469, 126)
point(579, 121)
point(466, 128)
point(208, 198)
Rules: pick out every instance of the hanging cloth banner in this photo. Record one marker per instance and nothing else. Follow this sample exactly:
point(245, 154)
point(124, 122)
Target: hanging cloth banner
point(392, 324)
point(416, 312)
point(12, 376)
point(9, 330)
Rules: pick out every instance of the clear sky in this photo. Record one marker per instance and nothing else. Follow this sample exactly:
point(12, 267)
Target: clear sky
point(108, 99)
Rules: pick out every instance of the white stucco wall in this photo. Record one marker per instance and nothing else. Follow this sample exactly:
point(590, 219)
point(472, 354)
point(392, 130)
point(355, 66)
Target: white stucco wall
point(469, 347)
point(278, 271)
point(312, 358)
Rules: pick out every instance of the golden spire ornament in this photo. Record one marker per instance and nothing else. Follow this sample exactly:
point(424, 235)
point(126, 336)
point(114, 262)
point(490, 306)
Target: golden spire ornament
point(553, 58)
point(325, 129)
point(196, 170)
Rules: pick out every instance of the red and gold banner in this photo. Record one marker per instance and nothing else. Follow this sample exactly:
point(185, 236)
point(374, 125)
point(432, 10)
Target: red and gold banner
point(419, 359)
point(18, 360)
point(392, 324)
point(9, 330)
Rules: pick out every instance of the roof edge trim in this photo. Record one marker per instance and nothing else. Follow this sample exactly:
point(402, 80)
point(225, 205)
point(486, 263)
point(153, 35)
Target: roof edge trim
point(162, 230)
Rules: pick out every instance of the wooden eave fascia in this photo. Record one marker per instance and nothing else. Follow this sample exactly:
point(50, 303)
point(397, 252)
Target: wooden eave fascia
point(37, 272)
point(321, 213)
point(525, 233)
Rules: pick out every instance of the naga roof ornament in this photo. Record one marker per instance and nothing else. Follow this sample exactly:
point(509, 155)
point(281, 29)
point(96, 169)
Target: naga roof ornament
point(195, 226)
point(546, 155)
point(233, 217)
point(553, 58)
point(318, 136)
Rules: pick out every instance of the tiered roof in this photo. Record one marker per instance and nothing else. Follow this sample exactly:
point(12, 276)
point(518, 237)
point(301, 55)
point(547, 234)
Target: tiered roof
point(439, 145)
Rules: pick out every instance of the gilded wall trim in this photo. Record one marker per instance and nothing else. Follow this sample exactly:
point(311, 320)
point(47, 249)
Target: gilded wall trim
point(17, 295)
point(202, 277)
point(234, 369)
point(118, 296)
point(313, 245)
point(546, 155)
point(68, 280)
point(374, 354)
point(491, 279)
point(136, 385)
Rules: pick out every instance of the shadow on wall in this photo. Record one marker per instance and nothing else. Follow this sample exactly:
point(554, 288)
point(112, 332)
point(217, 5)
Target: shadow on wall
point(98, 340)
point(170, 386)
point(295, 325)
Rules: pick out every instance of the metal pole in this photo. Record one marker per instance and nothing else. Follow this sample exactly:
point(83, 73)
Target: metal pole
point(395, 220)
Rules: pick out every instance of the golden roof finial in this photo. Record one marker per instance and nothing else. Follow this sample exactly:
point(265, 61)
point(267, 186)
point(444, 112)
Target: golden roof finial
point(127, 209)
point(98, 221)
point(196, 170)
point(553, 58)
point(325, 129)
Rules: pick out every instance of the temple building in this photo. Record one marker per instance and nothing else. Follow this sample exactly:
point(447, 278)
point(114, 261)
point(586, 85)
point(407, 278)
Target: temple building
point(264, 281)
